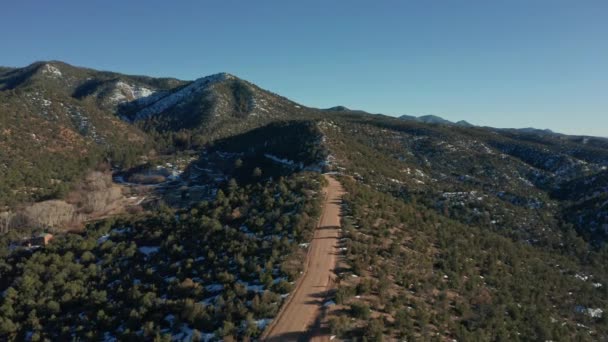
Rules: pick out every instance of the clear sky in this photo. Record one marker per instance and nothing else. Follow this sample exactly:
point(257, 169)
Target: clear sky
point(515, 63)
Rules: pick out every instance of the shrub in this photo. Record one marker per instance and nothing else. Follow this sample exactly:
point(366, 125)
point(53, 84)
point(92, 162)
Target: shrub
point(359, 310)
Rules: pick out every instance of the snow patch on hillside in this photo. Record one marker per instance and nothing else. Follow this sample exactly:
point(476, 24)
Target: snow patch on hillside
point(283, 161)
point(51, 70)
point(591, 312)
point(148, 250)
point(214, 287)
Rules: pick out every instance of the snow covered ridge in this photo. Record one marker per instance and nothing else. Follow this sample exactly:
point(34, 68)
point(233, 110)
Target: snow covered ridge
point(124, 92)
point(174, 98)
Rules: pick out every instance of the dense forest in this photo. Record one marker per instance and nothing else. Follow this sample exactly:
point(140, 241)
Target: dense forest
point(220, 268)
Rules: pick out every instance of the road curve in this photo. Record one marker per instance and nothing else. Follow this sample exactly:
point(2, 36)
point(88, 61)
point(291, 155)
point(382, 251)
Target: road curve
point(300, 315)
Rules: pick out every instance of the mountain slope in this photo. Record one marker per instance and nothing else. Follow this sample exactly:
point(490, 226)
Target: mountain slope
point(499, 179)
point(59, 120)
point(211, 107)
point(49, 138)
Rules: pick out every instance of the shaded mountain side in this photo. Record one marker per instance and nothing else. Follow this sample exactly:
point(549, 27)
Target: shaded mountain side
point(296, 141)
point(585, 205)
point(590, 217)
point(583, 187)
point(276, 150)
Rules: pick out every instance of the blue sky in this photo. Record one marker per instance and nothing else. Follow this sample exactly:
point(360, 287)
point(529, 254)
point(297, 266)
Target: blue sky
point(499, 63)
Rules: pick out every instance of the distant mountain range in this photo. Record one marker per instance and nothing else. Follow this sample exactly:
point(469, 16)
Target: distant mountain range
point(435, 119)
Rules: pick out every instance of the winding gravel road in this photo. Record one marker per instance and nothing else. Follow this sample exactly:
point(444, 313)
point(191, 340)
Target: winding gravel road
point(300, 317)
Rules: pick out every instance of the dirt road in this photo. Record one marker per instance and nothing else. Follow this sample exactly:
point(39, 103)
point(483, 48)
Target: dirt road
point(300, 317)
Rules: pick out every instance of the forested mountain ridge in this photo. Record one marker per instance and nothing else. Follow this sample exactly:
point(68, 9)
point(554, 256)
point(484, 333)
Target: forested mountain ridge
point(81, 116)
point(459, 226)
point(209, 104)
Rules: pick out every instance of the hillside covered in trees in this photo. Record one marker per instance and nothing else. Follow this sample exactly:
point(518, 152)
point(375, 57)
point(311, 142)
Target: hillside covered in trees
point(412, 274)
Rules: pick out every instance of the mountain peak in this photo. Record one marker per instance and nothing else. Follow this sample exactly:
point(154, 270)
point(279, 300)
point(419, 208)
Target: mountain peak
point(218, 77)
point(338, 109)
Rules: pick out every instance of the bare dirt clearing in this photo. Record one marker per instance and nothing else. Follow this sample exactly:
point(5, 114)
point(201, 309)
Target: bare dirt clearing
point(300, 318)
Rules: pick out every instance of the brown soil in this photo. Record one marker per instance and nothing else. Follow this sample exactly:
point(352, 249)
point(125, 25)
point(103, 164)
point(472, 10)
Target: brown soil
point(301, 318)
